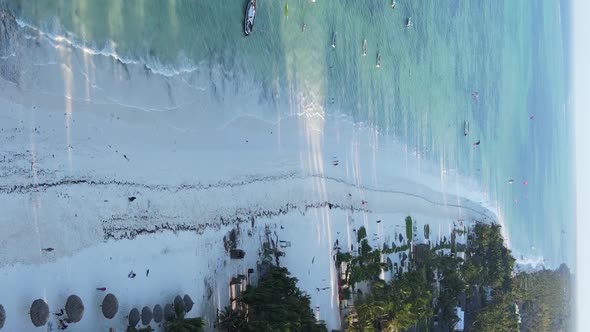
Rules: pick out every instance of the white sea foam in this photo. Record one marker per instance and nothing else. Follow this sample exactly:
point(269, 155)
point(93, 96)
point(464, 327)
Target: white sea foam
point(58, 37)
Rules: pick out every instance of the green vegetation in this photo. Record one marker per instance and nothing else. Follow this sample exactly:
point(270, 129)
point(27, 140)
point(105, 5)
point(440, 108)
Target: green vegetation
point(544, 298)
point(451, 286)
point(361, 234)
point(401, 248)
point(408, 300)
point(276, 304)
point(181, 324)
point(185, 325)
point(364, 266)
point(232, 320)
point(490, 263)
point(400, 304)
point(411, 298)
point(500, 316)
point(409, 229)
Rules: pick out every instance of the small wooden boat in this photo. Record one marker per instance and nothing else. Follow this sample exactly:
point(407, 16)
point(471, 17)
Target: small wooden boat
point(364, 47)
point(249, 17)
point(408, 22)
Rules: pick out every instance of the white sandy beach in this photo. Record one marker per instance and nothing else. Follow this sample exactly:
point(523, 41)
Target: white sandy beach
point(201, 151)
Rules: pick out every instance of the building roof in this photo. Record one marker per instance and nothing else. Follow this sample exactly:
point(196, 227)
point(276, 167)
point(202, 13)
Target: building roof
point(460, 326)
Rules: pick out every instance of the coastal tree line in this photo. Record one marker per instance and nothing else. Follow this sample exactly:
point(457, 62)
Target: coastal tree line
point(425, 297)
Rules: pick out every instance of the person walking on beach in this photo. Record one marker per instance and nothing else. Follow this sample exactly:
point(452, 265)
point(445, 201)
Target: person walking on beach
point(62, 325)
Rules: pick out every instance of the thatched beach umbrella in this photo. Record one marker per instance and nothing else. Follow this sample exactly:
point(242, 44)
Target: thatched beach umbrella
point(2, 317)
point(133, 317)
point(158, 313)
point(169, 313)
point(39, 312)
point(146, 315)
point(188, 303)
point(110, 306)
point(74, 308)
point(178, 303)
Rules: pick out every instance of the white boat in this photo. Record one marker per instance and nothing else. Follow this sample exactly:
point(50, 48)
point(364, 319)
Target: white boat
point(408, 22)
point(249, 17)
point(364, 47)
point(378, 65)
point(465, 128)
point(393, 4)
point(334, 40)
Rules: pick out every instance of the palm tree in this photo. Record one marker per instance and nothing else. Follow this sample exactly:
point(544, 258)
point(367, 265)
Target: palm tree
point(181, 324)
point(232, 320)
point(185, 325)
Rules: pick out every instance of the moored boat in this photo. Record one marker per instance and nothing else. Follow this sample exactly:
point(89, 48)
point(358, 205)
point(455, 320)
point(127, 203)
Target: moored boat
point(408, 22)
point(334, 40)
point(249, 17)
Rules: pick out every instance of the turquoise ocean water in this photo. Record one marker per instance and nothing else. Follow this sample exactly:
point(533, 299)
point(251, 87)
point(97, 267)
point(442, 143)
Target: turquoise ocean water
point(512, 52)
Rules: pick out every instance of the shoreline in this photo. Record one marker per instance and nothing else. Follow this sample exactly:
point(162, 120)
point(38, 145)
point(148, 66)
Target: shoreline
point(200, 152)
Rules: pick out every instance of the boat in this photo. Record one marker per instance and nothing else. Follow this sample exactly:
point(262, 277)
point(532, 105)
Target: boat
point(408, 22)
point(334, 40)
point(378, 65)
point(364, 47)
point(393, 4)
point(249, 17)
point(465, 128)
